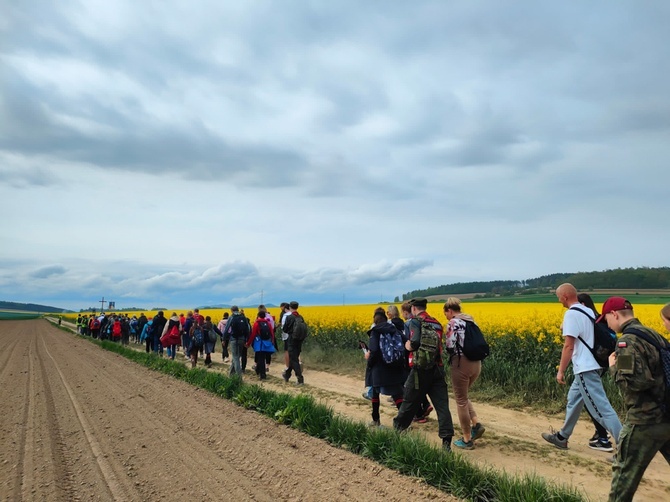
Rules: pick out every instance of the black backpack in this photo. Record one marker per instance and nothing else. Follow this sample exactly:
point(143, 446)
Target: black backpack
point(474, 346)
point(238, 327)
point(300, 330)
point(604, 341)
point(264, 331)
point(664, 352)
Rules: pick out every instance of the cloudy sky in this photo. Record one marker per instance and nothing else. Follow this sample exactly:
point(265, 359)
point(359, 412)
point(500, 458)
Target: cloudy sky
point(181, 153)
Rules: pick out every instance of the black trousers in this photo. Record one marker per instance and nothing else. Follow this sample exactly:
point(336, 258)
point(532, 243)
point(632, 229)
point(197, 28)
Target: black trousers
point(259, 357)
point(294, 349)
point(419, 383)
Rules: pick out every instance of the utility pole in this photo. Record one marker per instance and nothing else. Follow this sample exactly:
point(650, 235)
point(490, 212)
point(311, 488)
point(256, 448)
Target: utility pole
point(102, 309)
point(261, 297)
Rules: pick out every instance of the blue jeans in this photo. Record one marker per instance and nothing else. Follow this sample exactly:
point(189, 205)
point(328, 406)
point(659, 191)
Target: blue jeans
point(236, 346)
point(587, 390)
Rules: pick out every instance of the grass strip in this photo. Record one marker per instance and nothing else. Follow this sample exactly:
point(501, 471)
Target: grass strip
point(405, 453)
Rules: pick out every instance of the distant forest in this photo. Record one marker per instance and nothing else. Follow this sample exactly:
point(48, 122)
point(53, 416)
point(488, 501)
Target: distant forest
point(620, 278)
point(31, 307)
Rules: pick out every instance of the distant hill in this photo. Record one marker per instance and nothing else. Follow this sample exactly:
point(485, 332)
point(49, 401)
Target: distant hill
point(616, 279)
point(31, 307)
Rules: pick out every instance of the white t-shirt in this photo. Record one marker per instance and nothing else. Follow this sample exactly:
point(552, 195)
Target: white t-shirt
point(577, 324)
point(284, 316)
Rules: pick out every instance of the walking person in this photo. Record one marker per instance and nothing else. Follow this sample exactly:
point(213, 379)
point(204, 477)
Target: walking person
point(424, 409)
point(638, 371)
point(224, 341)
point(211, 334)
point(586, 388)
point(464, 373)
point(237, 330)
point(197, 337)
point(186, 334)
point(271, 320)
point(385, 378)
point(283, 316)
point(171, 335)
point(146, 336)
point(262, 339)
point(600, 439)
point(157, 331)
point(141, 323)
point(427, 375)
point(294, 343)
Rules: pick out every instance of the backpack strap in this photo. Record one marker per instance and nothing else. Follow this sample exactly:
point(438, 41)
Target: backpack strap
point(645, 336)
point(593, 320)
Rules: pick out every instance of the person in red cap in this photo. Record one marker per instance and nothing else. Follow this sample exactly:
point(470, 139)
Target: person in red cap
point(587, 387)
point(637, 369)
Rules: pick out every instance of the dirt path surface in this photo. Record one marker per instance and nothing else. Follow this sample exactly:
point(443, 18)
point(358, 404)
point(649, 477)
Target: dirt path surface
point(512, 442)
point(81, 423)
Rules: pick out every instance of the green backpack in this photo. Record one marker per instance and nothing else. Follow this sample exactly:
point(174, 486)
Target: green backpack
point(428, 353)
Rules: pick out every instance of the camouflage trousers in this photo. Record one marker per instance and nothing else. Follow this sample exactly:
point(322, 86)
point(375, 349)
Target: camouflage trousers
point(638, 444)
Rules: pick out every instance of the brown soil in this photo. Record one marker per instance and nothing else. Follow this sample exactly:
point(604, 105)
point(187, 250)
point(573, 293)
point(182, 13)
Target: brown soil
point(80, 423)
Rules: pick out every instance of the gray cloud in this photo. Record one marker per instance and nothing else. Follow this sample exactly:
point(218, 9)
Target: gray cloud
point(345, 120)
point(48, 272)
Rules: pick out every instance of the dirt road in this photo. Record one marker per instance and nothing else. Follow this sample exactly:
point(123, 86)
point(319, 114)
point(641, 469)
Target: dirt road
point(81, 423)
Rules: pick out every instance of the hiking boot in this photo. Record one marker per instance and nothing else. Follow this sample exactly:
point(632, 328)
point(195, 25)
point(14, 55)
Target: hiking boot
point(465, 445)
point(366, 396)
point(419, 420)
point(374, 423)
point(427, 412)
point(446, 444)
point(552, 437)
point(299, 383)
point(285, 376)
point(601, 444)
point(478, 431)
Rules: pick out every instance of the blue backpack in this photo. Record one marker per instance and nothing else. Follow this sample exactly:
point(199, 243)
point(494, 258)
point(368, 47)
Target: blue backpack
point(391, 347)
point(198, 339)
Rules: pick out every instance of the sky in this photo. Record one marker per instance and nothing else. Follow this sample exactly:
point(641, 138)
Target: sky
point(177, 153)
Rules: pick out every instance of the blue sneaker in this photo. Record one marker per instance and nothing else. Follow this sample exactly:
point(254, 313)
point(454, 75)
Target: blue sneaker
point(464, 445)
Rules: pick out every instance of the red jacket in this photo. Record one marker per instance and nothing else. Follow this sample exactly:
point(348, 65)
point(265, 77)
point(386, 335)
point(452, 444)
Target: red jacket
point(256, 330)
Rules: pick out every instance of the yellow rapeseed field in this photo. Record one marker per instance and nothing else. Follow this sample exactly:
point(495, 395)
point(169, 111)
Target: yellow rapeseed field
point(540, 320)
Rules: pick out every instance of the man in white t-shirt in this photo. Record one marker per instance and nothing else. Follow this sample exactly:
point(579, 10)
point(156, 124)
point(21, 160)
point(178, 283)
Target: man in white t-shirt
point(587, 387)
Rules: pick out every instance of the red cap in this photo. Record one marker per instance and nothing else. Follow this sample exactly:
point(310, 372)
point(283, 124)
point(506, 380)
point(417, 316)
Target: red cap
point(614, 303)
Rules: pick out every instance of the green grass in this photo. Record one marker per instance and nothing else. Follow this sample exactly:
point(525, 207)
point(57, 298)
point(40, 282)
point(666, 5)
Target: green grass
point(404, 453)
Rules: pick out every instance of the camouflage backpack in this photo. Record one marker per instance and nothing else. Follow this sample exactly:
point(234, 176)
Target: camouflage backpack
point(428, 353)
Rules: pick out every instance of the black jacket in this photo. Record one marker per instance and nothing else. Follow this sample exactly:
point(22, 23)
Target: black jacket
point(379, 373)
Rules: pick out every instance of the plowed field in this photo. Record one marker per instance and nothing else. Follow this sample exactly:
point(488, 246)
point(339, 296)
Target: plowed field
point(81, 423)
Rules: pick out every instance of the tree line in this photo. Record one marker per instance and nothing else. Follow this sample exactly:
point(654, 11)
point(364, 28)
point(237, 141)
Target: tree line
point(620, 278)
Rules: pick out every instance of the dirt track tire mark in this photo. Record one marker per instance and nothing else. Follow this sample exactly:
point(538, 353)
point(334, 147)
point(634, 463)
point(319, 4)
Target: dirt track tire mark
point(62, 477)
point(116, 489)
point(26, 432)
point(8, 355)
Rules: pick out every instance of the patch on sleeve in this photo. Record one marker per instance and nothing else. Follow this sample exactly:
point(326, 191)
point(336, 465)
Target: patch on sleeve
point(622, 345)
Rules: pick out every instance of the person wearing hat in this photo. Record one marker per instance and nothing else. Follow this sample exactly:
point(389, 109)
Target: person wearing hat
point(425, 380)
point(587, 387)
point(637, 369)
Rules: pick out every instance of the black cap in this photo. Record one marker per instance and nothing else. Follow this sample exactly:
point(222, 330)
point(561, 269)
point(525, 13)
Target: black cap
point(418, 302)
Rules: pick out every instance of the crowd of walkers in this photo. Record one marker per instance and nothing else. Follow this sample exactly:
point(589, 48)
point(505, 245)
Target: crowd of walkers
point(639, 362)
point(407, 359)
point(195, 335)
